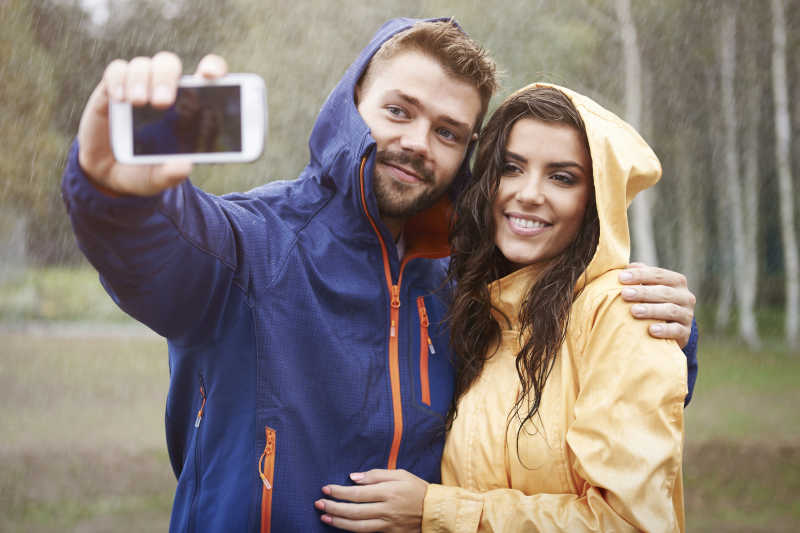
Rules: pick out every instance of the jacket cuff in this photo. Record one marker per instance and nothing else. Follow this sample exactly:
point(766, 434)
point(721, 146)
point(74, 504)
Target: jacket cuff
point(451, 509)
point(691, 360)
point(79, 194)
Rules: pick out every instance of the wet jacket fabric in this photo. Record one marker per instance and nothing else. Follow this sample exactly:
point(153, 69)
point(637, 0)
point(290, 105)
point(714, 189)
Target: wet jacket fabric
point(301, 348)
point(604, 451)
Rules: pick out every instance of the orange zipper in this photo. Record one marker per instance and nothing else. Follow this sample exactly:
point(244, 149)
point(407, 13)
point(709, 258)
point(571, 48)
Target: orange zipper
point(266, 471)
point(394, 317)
point(202, 406)
point(425, 346)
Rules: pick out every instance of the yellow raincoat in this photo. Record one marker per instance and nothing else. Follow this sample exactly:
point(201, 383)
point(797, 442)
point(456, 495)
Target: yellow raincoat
point(604, 451)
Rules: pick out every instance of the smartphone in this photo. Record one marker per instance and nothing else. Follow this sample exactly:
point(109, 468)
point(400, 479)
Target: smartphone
point(212, 121)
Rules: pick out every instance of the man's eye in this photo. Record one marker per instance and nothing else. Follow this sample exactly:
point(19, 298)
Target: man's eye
point(447, 135)
point(396, 111)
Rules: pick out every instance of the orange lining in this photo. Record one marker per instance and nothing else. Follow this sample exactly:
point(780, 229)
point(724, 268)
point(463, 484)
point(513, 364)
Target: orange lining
point(424, 341)
point(266, 471)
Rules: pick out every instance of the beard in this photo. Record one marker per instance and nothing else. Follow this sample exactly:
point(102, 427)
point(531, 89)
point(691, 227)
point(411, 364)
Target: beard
point(402, 200)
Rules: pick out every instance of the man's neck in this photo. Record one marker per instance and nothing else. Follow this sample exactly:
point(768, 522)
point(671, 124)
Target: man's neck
point(395, 225)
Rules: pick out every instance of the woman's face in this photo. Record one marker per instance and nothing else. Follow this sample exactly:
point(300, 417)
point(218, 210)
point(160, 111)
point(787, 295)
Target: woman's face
point(544, 187)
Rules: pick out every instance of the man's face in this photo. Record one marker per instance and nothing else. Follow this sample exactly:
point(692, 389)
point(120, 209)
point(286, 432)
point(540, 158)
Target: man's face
point(422, 119)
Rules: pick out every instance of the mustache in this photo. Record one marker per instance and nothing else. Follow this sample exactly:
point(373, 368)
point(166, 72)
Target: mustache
point(417, 164)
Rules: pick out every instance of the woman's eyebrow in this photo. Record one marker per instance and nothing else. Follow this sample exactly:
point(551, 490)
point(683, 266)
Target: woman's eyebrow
point(515, 156)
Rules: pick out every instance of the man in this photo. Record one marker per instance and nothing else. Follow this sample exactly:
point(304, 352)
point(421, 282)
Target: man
point(303, 343)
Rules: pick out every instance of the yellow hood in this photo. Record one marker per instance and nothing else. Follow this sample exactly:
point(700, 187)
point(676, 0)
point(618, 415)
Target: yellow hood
point(622, 165)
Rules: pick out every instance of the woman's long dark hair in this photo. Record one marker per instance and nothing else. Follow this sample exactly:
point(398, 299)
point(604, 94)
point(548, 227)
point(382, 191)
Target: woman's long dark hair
point(476, 262)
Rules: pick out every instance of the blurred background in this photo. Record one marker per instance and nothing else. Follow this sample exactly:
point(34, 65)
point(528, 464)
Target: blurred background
point(713, 85)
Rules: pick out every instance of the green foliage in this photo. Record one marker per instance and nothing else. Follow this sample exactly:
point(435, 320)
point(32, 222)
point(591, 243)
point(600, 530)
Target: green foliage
point(33, 150)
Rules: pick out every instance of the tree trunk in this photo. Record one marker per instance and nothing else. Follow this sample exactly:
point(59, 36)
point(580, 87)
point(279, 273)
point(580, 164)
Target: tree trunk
point(644, 244)
point(733, 188)
point(689, 238)
point(783, 143)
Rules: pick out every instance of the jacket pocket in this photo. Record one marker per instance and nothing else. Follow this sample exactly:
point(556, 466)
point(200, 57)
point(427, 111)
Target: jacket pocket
point(196, 449)
point(425, 348)
point(266, 471)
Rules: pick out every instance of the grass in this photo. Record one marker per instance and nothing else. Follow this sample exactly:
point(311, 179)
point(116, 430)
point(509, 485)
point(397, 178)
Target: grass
point(57, 294)
point(82, 445)
point(83, 435)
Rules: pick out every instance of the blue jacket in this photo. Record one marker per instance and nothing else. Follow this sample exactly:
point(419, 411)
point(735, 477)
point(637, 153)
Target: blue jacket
point(300, 347)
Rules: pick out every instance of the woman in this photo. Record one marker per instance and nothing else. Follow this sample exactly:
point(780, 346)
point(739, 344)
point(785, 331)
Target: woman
point(568, 417)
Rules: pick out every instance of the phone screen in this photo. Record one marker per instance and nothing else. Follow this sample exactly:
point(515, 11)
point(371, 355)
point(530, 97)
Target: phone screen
point(202, 120)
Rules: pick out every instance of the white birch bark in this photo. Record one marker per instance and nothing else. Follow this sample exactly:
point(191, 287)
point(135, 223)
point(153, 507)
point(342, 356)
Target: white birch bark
point(783, 142)
point(644, 244)
point(732, 181)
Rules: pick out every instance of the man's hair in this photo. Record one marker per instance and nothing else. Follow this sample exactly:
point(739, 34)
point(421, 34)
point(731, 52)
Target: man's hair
point(454, 50)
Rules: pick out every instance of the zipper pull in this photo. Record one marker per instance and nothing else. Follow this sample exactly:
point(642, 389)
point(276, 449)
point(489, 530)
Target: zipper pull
point(396, 296)
point(202, 406)
point(269, 450)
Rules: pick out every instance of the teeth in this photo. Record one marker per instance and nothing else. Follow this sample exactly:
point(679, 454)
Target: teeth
point(526, 223)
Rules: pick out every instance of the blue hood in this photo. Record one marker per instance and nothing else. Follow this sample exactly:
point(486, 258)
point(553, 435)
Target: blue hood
point(340, 140)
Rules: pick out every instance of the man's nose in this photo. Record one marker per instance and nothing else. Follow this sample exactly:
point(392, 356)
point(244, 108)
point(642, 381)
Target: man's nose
point(415, 139)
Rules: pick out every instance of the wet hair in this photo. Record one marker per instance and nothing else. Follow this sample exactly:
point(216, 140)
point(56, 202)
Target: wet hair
point(476, 262)
point(454, 50)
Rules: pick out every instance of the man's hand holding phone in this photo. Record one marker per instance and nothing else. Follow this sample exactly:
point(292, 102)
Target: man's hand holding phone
point(139, 82)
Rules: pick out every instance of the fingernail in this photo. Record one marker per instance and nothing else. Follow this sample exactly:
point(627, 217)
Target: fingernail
point(657, 329)
point(326, 490)
point(356, 476)
point(320, 504)
point(625, 276)
point(628, 291)
point(637, 309)
point(161, 94)
point(327, 519)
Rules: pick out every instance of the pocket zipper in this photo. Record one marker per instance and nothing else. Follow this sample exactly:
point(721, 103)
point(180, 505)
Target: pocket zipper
point(266, 471)
point(426, 346)
point(202, 404)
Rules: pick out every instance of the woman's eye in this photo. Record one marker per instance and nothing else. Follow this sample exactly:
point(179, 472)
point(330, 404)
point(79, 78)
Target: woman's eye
point(510, 168)
point(566, 179)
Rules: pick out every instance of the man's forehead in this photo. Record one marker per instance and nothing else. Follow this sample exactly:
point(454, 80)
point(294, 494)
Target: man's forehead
point(404, 75)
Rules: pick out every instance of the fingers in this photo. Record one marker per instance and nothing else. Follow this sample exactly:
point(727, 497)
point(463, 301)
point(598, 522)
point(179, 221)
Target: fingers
point(671, 330)
point(664, 312)
point(165, 71)
point(353, 525)
point(641, 274)
point(358, 493)
point(211, 66)
point(659, 294)
point(144, 80)
point(377, 475)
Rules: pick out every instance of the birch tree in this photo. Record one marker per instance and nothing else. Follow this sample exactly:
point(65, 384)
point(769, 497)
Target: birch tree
point(738, 216)
point(644, 243)
point(783, 142)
